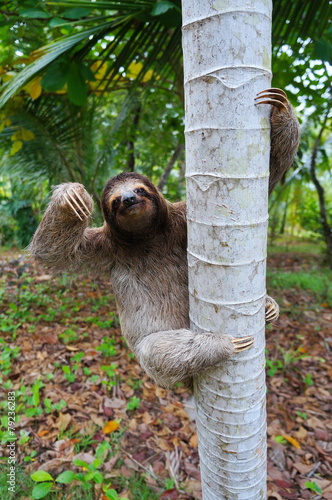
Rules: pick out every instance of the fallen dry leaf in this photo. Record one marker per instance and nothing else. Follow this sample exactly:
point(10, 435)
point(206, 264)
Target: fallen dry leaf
point(63, 421)
point(193, 441)
point(111, 426)
point(292, 441)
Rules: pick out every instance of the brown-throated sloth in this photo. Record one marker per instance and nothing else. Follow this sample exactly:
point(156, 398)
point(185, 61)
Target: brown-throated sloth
point(142, 246)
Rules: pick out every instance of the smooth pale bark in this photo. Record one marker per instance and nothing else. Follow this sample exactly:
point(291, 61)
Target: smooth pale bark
point(227, 58)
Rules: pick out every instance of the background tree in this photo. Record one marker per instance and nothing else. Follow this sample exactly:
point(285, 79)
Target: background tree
point(302, 202)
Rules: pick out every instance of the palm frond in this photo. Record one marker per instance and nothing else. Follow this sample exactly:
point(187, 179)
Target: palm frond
point(298, 19)
point(70, 143)
point(44, 57)
point(126, 5)
point(154, 40)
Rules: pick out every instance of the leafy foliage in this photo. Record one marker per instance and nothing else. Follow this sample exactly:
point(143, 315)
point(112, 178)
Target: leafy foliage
point(91, 143)
point(18, 213)
point(65, 124)
point(142, 31)
point(131, 32)
point(297, 21)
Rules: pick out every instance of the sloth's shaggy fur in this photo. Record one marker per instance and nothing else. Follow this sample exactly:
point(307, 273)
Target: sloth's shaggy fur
point(285, 138)
point(142, 248)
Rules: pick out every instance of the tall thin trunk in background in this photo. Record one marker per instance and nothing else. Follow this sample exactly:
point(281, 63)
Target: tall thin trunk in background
point(227, 58)
point(132, 138)
point(168, 169)
point(327, 229)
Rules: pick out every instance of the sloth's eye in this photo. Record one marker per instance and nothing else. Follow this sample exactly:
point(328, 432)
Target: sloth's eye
point(116, 202)
point(139, 191)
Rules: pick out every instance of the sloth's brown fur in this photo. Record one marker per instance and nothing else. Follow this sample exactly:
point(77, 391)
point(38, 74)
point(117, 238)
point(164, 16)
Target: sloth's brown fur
point(142, 247)
point(285, 137)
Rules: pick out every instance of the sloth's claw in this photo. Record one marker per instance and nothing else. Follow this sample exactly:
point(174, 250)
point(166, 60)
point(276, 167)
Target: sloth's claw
point(79, 204)
point(274, 89)
point(88, 212)
point(66, 196)
point(271, 309)
point(273, 96)
point(242, 344)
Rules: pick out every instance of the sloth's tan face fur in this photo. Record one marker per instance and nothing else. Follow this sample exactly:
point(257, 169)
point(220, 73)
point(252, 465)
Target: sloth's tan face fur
point(131, 205)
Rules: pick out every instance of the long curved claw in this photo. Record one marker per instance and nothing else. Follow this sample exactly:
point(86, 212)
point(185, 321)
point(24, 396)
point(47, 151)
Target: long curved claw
point(274, 89)
point(71, 206)
point(88, 211)
point(273, 96)
point(79, 206)
point(242, 343)
point(271, 310)
point(278, 104)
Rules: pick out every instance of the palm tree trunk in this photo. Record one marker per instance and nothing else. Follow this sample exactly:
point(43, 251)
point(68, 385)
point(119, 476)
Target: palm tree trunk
point(227, 56)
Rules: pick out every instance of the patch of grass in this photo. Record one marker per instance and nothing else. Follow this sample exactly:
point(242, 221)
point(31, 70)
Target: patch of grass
point(296, 245)
point(23, 484)
point(288, 359)
point(107, 347)
point(318, 283)
point(138, 488)
point(24, 487)
point(8, 352)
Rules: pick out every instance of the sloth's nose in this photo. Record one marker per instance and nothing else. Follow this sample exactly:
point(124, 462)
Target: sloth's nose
point(128, 198)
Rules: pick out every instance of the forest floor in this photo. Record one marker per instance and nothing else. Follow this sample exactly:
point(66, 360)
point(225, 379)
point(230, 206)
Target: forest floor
point(89, 416)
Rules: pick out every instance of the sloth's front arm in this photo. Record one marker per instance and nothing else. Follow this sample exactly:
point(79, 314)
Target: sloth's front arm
point(63, 240)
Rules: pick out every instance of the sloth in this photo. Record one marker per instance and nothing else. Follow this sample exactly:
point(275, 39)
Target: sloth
point(142, 248)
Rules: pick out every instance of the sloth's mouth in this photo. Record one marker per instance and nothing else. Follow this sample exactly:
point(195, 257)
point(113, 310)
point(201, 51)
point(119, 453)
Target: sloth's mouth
point(132, 207)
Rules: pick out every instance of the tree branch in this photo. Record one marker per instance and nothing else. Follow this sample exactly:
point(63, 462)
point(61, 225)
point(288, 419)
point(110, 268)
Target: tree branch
point(164, 177)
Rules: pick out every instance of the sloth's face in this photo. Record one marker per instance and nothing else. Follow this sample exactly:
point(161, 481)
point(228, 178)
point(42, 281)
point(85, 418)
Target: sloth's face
point(128, 199)
point(130, 206)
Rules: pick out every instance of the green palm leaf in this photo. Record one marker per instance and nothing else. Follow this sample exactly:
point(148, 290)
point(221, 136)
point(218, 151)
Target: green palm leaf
point(149, 32)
